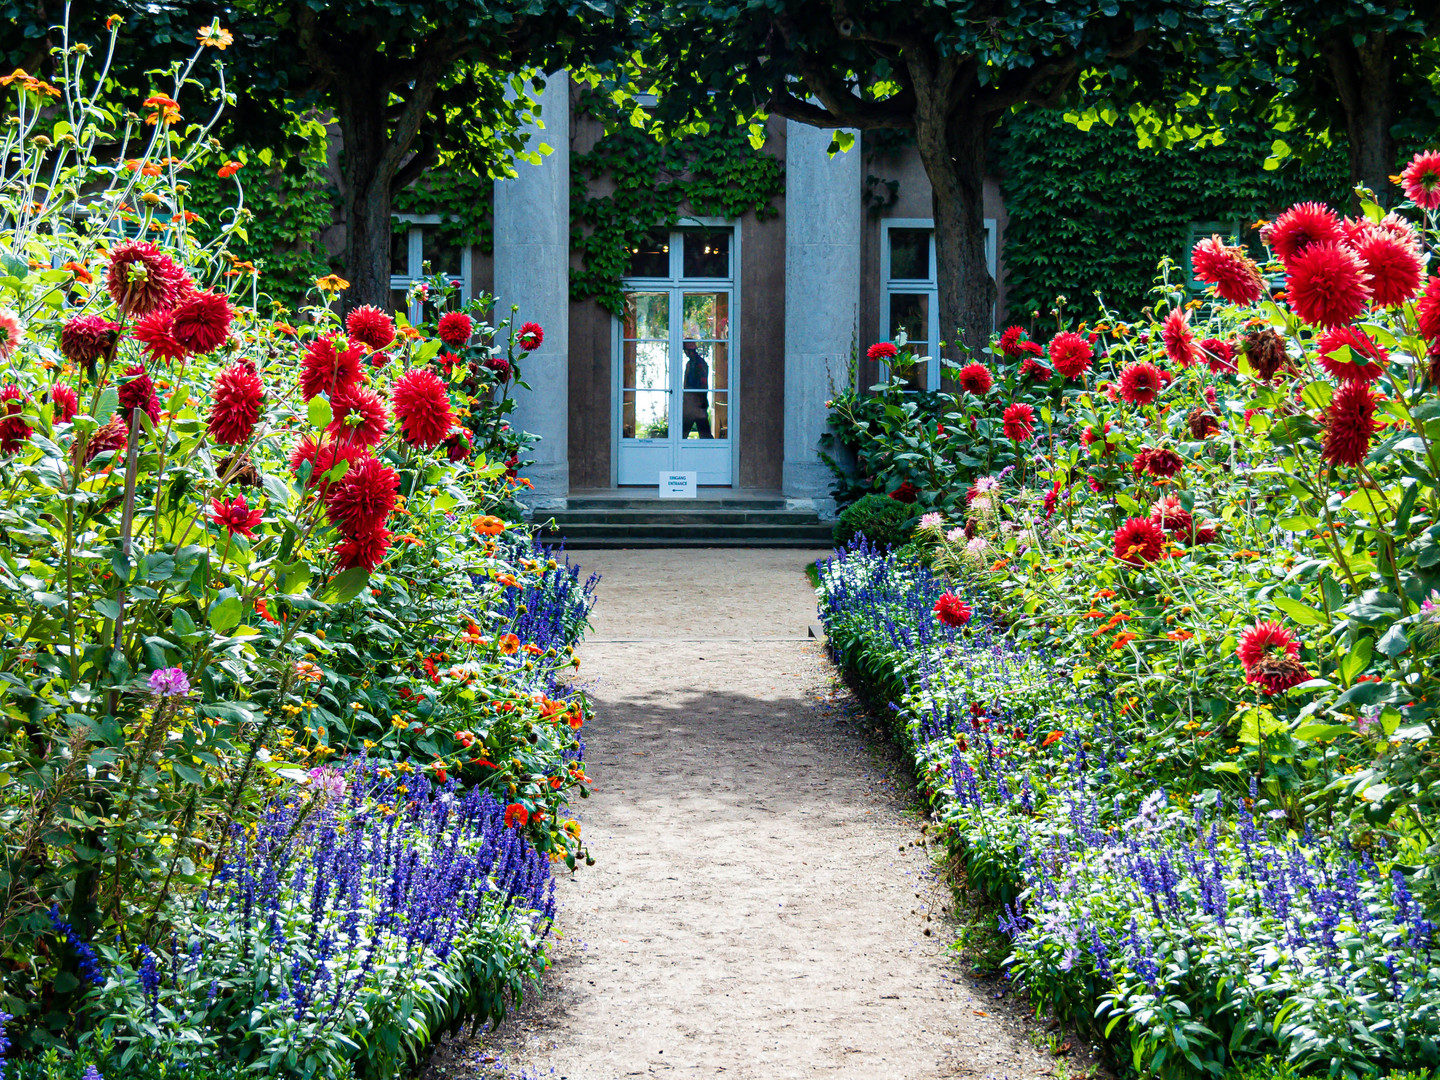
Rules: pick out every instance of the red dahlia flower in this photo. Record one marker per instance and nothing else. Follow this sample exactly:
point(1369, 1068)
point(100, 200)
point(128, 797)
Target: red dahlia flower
point(952, 611)
point(1171, 516)
point(881, 350)
point(531, 336)
point(362, 552)
point(369, 325)
point(1157, 461)
point(455, 329)
point(1093, 437)
point(1019, 422)
point(1394, 266)
point(361, 418)
point(1070, 354)
point(14, 431)
point(1270, 656)
point(1218, 354)
point(201, 322)
point(1349, 424)
point(1427, 309)
point(1139, 541)
point(1139, 383)
point(1421, 180)
point(905, 493)
point(1327, 284)
point(457, 445)
point(235, 405)
point(114, 435)
point(501, 367)
point(360, 501)
point(1367, 358)
point(156, 332)
point(1207, 532)
point(1233, 273)
point(236, 516)
point(1299, 227)
point(86, 338)
point(138, 392)
point(1179, 338)
point(1010, 340)
point(142, 278)
point(324, 369)
point(66, 402)
point(322, 458)
point(1033, 369)
point(975, 378)
point(423, 408)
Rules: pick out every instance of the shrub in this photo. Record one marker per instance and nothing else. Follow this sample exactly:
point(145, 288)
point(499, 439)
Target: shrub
point(879, 518)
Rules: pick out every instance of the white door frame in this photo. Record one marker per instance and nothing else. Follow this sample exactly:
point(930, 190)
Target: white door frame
point(677, 281)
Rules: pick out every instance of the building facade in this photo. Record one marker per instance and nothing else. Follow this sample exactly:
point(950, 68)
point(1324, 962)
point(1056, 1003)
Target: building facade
point(734, 333)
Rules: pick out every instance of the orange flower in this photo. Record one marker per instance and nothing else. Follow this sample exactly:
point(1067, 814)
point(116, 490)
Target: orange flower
point(229, 169)
point(489, 525)
point(1121, 640)
point(81, 274)
point(509, 644)
point(533, 650)
point(507, 580)
point(1105, 594)
point(1052, 739)
point(264, 611)
point(1179, 635)
point(409, 333)
point(1093, 614)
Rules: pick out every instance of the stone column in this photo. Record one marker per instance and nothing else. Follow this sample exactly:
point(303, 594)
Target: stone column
point(822, 297)
point(532, 270)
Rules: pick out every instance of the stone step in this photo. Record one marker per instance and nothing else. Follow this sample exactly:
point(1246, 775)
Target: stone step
point(727, 502)
point(690, 515)
point(601, 533)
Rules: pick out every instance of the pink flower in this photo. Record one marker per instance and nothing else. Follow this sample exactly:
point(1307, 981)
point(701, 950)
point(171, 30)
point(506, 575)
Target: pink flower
point(1421, 180)
point(11, 333)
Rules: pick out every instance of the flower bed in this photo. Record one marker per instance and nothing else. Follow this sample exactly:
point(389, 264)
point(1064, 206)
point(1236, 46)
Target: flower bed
point(1195, 564)
point(1192, 926)
point(285, 731)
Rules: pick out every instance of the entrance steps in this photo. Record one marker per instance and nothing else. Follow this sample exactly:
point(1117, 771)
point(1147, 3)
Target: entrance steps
point(623, 519)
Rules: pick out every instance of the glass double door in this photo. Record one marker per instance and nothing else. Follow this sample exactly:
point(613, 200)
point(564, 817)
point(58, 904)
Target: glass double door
point(675, 384)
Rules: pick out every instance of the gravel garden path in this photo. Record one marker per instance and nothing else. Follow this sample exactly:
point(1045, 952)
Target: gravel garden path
point(759, 907)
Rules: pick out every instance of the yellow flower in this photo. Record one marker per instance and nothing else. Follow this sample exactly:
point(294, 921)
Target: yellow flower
point(332, 283)
point(213, 36)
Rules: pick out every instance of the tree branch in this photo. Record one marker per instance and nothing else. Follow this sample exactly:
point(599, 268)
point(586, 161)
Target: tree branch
point(426, 154)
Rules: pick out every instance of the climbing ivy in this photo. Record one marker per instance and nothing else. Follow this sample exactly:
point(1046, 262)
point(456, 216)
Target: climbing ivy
point(463, 200)
point(712, 174)
point(1090, 210)
point(288, 203)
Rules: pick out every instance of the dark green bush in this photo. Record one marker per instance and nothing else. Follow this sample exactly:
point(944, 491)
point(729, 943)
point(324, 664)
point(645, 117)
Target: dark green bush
point(880, 519)
point(52, 1065)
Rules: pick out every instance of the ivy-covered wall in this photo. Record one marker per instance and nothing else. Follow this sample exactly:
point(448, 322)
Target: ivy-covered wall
point(289, 203)
point(1090, 210)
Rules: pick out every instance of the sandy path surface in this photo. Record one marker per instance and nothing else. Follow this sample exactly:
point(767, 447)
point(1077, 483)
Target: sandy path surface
point(758, 908)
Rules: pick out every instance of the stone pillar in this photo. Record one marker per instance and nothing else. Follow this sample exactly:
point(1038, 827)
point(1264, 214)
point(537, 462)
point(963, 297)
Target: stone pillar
point(532, 270)
point(822, 297)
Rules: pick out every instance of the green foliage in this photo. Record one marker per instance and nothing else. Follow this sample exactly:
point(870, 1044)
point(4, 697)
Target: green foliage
point(463, 199)
point(52, 1065)
point(1091, 211)
point(279, 212)
point(880, 519)
point(710, 173)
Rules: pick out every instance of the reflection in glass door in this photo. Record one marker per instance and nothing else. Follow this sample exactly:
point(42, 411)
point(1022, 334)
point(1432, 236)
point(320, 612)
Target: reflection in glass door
point(675, 349)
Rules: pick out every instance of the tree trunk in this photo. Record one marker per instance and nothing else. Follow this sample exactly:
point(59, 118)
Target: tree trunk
point(365, 194)
point(953, 152)
point(1364, 82)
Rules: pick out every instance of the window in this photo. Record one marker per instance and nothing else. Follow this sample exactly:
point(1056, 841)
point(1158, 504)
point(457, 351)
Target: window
point(909, 298)
point(417, 245)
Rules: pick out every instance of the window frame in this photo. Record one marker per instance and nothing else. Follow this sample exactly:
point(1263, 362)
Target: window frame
point(415, 257)
point(929, 286)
